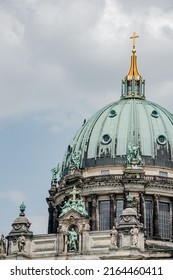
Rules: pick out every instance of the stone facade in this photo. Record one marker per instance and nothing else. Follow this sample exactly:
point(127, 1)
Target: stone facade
point(94, 244)
point(129, 241)
point(113, 198)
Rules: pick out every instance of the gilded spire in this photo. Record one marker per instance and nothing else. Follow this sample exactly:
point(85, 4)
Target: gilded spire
point(133, 67)
point(133, 84)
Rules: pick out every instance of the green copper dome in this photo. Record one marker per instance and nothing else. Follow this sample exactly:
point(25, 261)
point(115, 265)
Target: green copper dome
point(105, 137)
point(132, 121)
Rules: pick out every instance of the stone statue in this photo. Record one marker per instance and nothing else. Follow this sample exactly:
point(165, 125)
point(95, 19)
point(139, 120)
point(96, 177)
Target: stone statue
point(10, 247)
point(72, 240)
point(75, 161)
point(54, 172)
point(75, 204)
point(133, 157)
point(21, 243)
point(129, 198)
point(134, 233)
point(66, 207)
point(81, 208)
point(2, 245)
point(114, 234)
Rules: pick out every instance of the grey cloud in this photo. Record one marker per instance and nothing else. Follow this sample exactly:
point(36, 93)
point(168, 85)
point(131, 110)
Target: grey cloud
point(75, 52)
point(60, 61)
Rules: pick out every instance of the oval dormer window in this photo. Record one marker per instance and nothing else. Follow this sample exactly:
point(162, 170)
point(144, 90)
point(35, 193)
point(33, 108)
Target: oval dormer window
point(161, 140)
point(154, 114)
point(106, 139)
point(112, 113)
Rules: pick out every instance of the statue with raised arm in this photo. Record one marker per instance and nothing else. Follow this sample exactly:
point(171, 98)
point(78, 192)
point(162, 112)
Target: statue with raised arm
point(66, 207)
point(72, 239)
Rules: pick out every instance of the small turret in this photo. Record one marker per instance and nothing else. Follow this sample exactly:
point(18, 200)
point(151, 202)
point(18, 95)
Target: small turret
point(133, 85)
point(21, 224)
point(20, 236)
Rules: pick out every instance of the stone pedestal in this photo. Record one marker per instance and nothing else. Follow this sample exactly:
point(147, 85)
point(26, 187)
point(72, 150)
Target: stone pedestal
point(130, 230)
point(134, 171)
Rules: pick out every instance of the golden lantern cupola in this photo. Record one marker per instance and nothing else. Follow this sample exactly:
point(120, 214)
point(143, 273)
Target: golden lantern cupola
point(133, 85)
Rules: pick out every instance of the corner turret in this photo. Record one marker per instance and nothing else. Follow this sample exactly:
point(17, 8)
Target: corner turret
point(19, 238)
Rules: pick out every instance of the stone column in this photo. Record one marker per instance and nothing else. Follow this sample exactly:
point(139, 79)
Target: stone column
point(50, 222)
point(125, 199)
point(58, 213)
point(156, 217)
point(172, 221)
point(80, 242)
point(94, 214)
point(65, 242)
point(60, 241)
point(112, 210)
point(55, 223)
point(142, 209)
point(84, 199)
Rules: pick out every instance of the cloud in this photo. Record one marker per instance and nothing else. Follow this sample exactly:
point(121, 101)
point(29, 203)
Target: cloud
point(11, 29)
point(160, 23)
point(59, 59)
point(14, 196)
point(111, 23)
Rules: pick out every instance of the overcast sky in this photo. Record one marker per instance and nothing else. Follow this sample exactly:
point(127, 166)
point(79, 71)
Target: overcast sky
point(61, 61)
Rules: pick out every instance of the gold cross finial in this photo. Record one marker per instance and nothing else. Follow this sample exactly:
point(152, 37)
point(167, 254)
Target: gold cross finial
point(134, 40)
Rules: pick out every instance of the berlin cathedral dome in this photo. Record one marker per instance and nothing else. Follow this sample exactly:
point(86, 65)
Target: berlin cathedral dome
point(132, 121)
point(112, 196)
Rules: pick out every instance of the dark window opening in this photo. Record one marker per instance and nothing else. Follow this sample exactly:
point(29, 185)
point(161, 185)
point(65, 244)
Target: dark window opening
point(104, 215)
point(149, 218)
point(164, 220)
point(119, 209)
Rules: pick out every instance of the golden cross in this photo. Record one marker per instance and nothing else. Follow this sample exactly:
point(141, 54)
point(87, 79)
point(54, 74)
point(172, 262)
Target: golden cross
point(134, 39)
point(74, 192)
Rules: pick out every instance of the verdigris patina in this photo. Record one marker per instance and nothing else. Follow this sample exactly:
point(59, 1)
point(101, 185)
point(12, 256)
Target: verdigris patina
point(133, 157)
point(74, 203)
point(75, 161)
point(129, 197)
point(55, 171)
point(72, 239)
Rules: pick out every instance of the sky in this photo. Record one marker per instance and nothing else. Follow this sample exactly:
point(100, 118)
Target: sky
point(60, 62)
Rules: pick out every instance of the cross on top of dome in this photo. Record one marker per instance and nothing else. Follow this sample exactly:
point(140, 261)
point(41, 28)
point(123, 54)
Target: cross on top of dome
point(134, 37)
